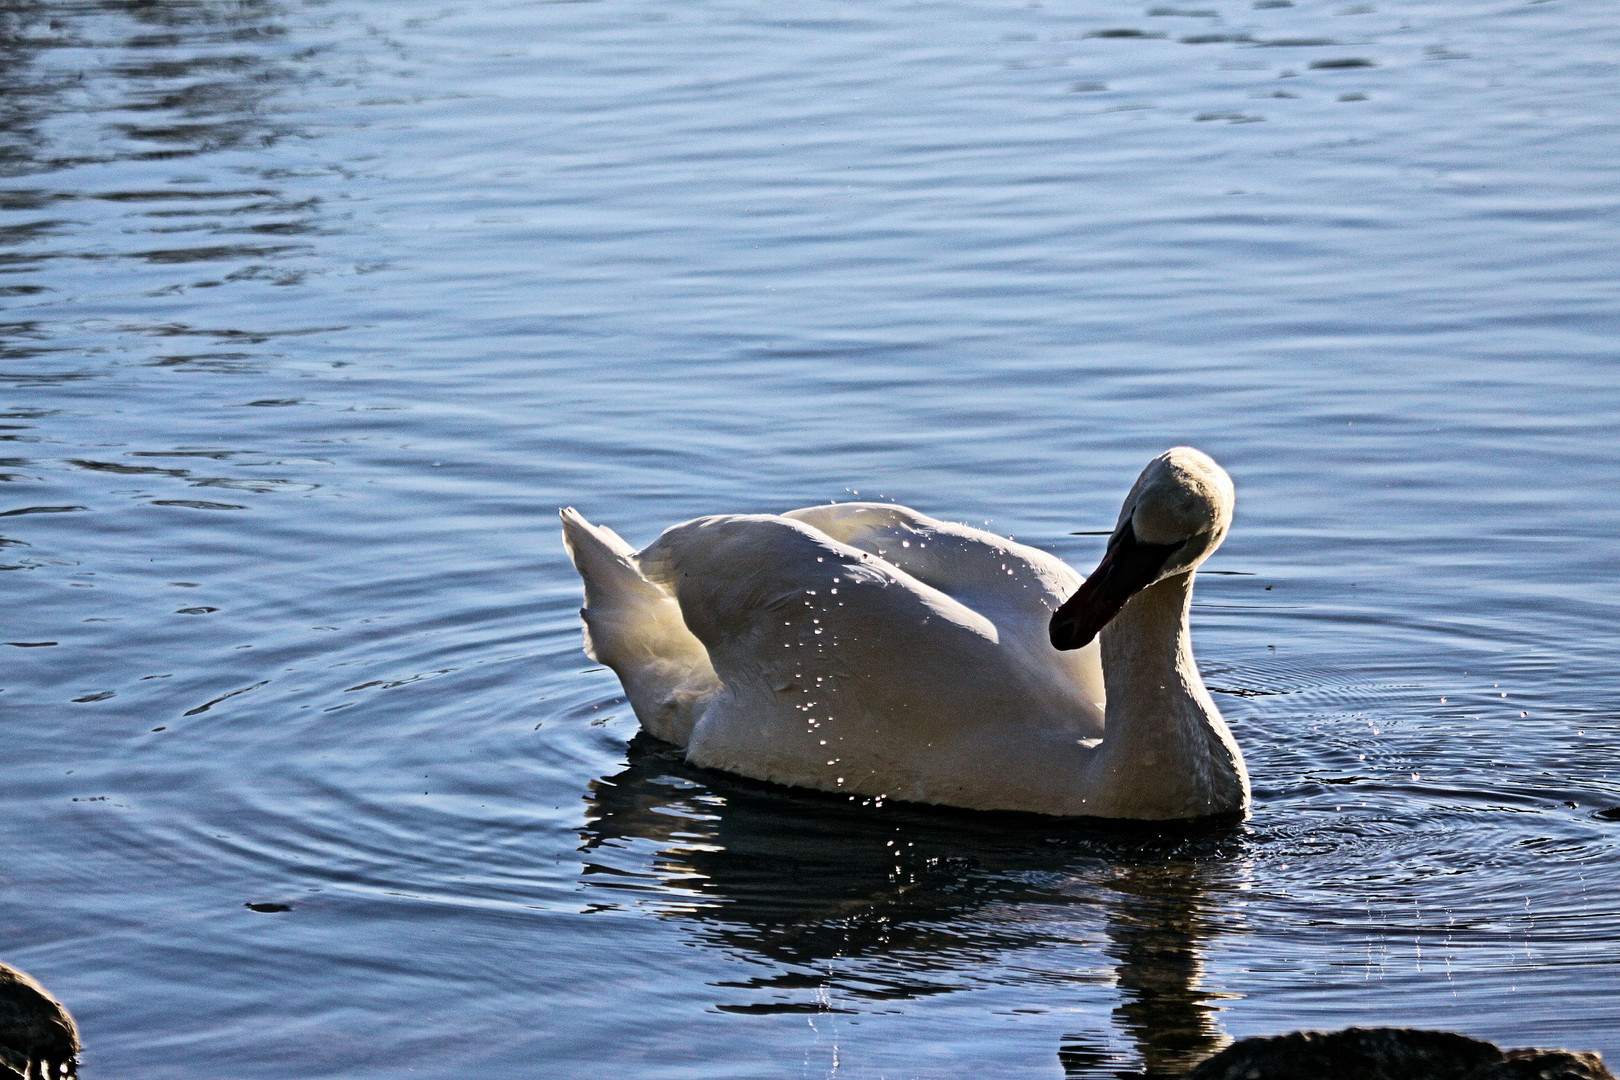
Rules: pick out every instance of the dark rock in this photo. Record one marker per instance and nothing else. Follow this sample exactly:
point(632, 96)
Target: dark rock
point(1391, 1054)
point(37, 1036)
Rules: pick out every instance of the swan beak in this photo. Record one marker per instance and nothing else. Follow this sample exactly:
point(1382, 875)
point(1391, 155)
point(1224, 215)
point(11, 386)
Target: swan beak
point(1126, 569)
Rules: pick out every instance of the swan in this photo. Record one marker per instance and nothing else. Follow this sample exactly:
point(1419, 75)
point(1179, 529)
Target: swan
point(868, 649)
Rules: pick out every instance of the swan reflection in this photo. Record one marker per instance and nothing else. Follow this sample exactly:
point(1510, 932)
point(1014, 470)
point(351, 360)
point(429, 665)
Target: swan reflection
point(850, 905)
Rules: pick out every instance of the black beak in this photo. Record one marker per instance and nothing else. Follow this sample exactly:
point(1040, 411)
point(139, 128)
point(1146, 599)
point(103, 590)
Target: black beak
point(1126, 569)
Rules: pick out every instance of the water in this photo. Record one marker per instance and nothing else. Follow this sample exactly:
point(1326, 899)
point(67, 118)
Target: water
point(315, 312)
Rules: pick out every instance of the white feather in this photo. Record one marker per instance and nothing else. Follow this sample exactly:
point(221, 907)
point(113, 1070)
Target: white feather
point(870, 649)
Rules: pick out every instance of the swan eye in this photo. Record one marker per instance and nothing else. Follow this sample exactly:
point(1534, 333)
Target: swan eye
point(1155, 556)
point(1126, 535)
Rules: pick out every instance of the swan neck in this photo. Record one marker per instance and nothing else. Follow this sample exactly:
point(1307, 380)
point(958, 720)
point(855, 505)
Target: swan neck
point(1166, 752)
point(1150, 638)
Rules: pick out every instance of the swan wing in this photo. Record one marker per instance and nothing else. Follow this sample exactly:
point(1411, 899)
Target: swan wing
point(833, 660)
point(971, 564)
point(1015, 586)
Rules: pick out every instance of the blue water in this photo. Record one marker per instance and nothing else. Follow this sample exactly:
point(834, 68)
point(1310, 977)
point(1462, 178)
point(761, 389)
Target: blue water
point(316, 312)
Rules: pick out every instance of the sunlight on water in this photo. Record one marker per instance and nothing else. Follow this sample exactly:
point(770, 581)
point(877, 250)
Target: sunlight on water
point(314, 313)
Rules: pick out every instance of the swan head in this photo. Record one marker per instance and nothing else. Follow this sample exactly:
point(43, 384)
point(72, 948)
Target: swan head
point(1175, 516)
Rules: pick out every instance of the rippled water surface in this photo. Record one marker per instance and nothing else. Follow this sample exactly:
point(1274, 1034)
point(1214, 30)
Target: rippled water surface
point(314, 313)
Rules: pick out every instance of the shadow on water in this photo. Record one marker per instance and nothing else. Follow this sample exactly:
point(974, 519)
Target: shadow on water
point(861, 904)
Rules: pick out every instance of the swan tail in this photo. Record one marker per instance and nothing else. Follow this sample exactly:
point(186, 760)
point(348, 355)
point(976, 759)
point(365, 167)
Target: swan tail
point(635, 627)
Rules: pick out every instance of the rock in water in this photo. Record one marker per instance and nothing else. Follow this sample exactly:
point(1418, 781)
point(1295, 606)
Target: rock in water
point(37, 1036)
point(1391, 1054)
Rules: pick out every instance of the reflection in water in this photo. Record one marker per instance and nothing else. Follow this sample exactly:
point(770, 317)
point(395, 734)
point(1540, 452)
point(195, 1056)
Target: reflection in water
point(25, 95)
point(192, 78)
point(182, 81)
point(144, 174)
point(865, 904)
point(1158, 927)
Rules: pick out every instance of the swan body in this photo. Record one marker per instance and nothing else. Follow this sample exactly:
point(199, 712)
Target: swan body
point(868, 649)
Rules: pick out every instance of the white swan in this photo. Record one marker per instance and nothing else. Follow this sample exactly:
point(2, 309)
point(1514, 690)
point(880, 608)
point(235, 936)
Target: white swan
point(866, 648)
